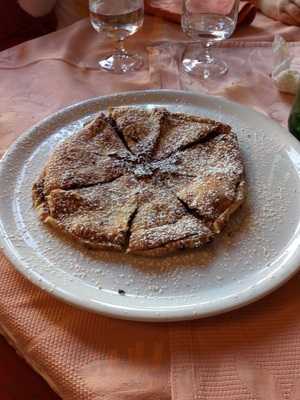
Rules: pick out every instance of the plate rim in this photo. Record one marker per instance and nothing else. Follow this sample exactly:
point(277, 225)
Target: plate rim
point(186, 312)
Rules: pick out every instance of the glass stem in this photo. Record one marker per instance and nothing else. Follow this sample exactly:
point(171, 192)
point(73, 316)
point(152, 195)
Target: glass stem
point(121, 47)
point(207, 55)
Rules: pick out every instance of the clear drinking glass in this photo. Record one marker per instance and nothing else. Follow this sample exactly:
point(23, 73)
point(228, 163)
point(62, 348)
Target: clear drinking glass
point(118, 19)
point(210, 21)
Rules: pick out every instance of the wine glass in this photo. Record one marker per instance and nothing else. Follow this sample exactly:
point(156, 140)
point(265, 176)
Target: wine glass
point(210, 21)
point(118, 19)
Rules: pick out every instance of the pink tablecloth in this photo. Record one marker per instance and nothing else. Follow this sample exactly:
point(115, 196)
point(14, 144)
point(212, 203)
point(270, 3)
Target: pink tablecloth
point(250, 354)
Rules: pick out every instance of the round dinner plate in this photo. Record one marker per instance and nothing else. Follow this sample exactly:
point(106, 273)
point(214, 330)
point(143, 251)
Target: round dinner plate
point(257, 252)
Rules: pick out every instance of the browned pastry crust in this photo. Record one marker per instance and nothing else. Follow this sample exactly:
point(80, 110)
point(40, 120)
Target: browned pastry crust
point(146, 182)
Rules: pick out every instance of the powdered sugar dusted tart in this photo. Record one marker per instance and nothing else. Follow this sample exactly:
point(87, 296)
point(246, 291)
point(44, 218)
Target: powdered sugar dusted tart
point(146, 182)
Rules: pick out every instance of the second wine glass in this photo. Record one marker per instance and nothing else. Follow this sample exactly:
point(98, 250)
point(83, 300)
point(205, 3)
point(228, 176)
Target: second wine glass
point(209, 21)
point(118, 19)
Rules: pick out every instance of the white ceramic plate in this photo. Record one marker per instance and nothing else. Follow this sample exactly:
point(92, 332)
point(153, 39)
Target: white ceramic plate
point(258, 251)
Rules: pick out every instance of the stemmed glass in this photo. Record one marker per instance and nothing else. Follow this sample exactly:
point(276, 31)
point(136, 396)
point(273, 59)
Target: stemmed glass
point(118, 19)
point(210, 21)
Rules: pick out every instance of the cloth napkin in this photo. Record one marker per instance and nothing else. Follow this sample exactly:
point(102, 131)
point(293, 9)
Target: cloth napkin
point(171, 10)
point(249, 354)
point(285, 78)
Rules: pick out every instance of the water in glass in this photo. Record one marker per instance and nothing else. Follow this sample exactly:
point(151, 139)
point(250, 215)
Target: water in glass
point(115, 24)
point(208, 26)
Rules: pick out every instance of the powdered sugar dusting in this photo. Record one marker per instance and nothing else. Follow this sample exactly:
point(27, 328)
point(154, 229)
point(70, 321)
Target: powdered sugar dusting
point(237, 267)
point(91, 185)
